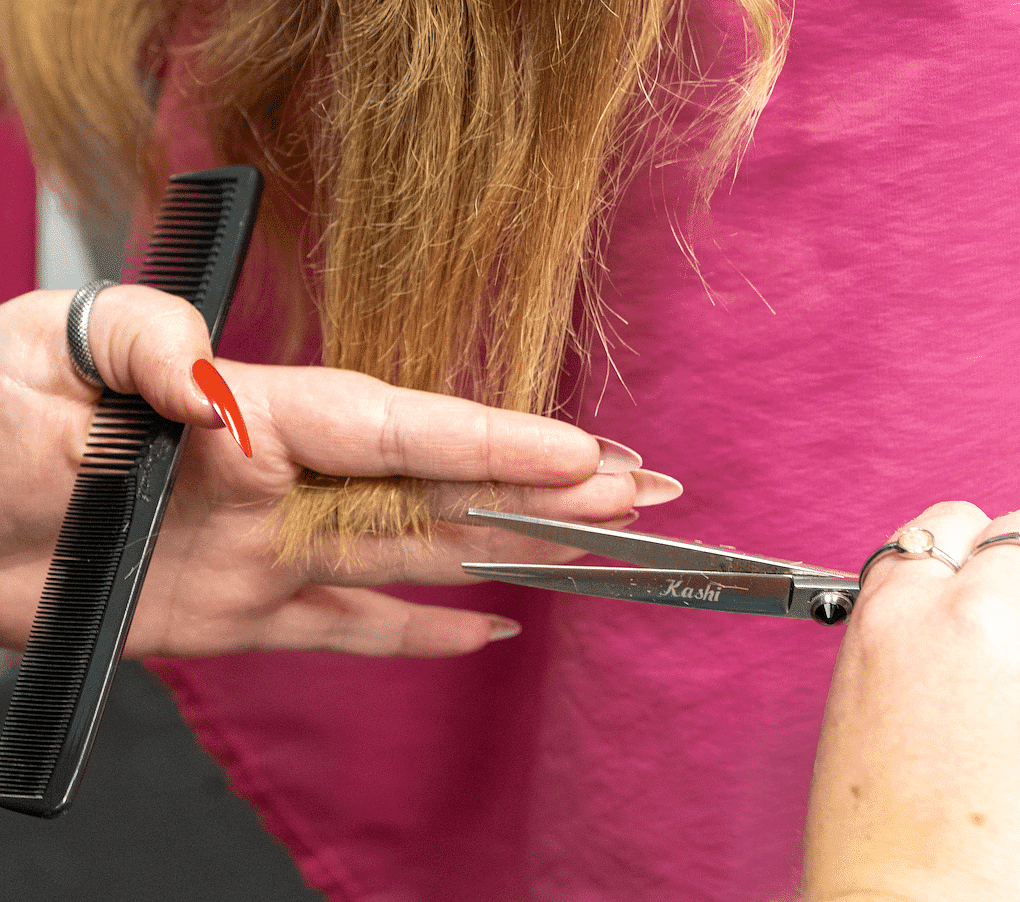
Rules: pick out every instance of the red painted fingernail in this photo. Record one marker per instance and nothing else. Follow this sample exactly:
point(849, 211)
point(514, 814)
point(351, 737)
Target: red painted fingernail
point(223, 402)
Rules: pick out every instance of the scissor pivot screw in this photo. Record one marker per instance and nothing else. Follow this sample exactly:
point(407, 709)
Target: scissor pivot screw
point(831, 607)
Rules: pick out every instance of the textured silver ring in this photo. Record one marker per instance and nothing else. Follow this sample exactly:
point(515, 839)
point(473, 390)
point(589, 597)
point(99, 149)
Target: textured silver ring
point(913, 543)
point(78, 331)
point(1007, 538)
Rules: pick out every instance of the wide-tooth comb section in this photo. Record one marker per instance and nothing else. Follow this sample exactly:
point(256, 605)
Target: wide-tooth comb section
point(120, 431)
point(109, 530)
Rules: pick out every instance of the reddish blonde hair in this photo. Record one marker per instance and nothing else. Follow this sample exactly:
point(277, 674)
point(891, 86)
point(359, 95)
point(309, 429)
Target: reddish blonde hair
point(455, 159)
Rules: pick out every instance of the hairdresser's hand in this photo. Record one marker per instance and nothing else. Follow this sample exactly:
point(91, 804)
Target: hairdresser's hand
point(214, 584)
point(917, 784)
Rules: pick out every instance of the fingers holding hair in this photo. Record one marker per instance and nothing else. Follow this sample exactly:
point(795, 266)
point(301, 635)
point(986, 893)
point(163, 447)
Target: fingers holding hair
point(342, 423)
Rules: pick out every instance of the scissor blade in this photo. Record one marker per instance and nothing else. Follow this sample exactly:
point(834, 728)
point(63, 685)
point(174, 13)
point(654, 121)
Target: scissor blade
point(638, 548)
point(738, 593)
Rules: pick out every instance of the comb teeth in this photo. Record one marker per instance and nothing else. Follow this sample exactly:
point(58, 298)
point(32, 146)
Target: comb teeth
point(189, 230)
point(65, 627)
point(119, 435)
point(109, 531)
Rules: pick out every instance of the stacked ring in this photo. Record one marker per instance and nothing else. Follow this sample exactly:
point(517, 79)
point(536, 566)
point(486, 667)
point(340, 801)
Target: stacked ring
point(913, 543)
point(1007, 538)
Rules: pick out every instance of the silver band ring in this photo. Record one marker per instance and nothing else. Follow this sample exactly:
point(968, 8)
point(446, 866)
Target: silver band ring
point(78, 331)
point(913, 543)
point(1007, 538)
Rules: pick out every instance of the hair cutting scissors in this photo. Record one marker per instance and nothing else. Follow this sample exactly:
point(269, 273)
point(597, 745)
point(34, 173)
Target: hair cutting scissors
point(674, 572)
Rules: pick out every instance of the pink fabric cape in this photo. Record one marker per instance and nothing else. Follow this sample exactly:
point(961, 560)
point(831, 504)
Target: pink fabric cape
point(854, 362)
point(17, 223)
point(17, 214)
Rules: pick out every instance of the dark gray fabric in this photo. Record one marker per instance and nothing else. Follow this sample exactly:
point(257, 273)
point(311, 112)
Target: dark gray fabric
point(154, 820)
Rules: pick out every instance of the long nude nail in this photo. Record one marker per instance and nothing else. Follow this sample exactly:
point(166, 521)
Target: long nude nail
point(223, 402)
point(502, 628)
point(616, 458)
point(655, 488)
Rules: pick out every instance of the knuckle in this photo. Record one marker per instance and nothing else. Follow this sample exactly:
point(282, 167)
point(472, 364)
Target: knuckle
point(390, 439)
point(487, 441)
point(984, 609)
point(959, 510)
point(1006, 523)
point(975, 612)
point(143, 332)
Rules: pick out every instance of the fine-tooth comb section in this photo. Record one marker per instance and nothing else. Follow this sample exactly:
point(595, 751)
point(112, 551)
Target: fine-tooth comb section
point(66, 625)
point(110, 527)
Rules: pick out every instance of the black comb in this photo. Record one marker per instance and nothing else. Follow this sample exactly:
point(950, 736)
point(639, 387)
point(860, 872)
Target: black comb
point(106, 540)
